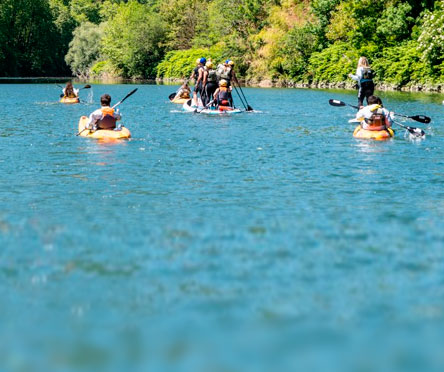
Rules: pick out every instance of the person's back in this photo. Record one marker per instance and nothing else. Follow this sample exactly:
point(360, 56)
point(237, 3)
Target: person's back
point(374, 116)
point(104, 117)
point(69, 91)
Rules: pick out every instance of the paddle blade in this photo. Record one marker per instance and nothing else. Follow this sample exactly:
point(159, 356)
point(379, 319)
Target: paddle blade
point(421, 118)
point(171, 96)
point(87, 86)
point(249, 108)
point(417, 132)
point(335, 102)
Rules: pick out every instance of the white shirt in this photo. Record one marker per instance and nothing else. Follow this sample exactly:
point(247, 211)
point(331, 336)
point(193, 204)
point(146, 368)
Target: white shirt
point(76, 91)
point(98, 114)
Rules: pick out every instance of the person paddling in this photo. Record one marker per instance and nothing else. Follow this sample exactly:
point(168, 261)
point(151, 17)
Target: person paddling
point(364, 77)
point(104, 117)
point(69, 91)
point(183, 92)
point(222, 95)
point(375, 117)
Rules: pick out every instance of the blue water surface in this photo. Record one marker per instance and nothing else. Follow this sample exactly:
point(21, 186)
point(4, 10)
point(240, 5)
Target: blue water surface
point(264, 241)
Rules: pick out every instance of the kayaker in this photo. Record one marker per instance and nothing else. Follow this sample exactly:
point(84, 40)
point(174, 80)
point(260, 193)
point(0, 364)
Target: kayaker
point(104, 117)
point(209, 82)
point(375, 116)
point(197, 75)
point(364, 76)
point(69, 91)
point(222, 95)
point(184, 91)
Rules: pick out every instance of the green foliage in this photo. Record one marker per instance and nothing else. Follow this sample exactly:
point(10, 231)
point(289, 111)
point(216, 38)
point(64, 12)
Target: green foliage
point(84, 49)
point(431, 38)
point(298, 45)
point(180, 63)
point(395, 22)
point(183, 18)
point(402, 64)
point(101, 69)
point(319, 40)
point(133, 41)
point(30, 44)
point(334, 63)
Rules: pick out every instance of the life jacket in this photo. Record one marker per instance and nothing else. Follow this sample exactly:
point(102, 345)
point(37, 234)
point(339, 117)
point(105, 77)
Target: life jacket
point(212, 76)
point(367, 75)
point(223, 97)
point(224, 73)
point(108, 121)
point(377, 120)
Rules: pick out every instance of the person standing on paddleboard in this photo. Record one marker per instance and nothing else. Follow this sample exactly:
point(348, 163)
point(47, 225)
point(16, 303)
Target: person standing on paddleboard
point(104, 117)
point(364, 76)
point(197, 75)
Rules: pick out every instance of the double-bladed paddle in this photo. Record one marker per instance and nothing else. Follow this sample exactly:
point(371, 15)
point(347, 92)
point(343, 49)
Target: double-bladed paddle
point(87, 86)
point(417, 132)
point(118, 103)
point(420, 118)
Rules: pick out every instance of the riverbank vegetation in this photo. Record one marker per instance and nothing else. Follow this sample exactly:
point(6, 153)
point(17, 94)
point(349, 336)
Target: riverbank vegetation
point(307, 41)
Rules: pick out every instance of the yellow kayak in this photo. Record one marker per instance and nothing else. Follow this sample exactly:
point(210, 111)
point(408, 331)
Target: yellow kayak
point(180, 100)
point(69, 100)
point(103, 134)
point(378, 135)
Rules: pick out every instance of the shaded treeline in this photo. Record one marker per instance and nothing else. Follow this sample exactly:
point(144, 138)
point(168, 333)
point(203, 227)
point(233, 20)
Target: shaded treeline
point(307, 41)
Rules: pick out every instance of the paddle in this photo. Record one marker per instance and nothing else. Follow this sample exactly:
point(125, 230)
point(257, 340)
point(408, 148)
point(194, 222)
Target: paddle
point(87, 86)
point(118, 103)
point(248, 108)
point(243, 104)
point(206, 106)
point(417, 132)
point(420, 118)
point(171, 96)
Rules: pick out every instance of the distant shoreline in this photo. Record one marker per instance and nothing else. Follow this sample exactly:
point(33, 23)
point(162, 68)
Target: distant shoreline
point(267, 83)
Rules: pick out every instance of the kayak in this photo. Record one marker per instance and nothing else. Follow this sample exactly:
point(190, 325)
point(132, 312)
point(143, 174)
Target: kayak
point(221, 110)
point(69, 100)
point(104, 134)
point(378, 135)
point(180, 100)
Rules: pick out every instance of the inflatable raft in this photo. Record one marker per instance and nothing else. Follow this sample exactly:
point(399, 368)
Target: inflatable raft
point(69, 100)
point(378, 135)
point(102, 134)
point(221, 110)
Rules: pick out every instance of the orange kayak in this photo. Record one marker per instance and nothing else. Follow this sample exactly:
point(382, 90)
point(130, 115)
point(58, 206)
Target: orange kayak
point(102, 134)
point(377, 135)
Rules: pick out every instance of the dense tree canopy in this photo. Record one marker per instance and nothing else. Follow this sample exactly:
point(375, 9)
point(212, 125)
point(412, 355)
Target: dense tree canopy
point(299, 40)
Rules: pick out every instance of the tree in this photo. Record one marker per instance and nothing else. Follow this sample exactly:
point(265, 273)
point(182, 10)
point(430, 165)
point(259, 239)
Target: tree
point(134, 40)
point(84, 49)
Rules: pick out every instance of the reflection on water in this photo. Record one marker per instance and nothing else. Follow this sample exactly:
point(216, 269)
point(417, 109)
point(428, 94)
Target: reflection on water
point(265, 241)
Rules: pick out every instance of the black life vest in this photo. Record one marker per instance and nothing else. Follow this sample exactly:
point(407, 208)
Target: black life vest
point(367, 74)
point(223, 97)
point(212, 76)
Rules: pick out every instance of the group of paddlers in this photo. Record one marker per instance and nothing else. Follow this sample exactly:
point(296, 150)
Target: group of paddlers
point(212, 85)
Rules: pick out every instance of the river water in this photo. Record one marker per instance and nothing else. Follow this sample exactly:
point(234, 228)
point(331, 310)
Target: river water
point(265, 241)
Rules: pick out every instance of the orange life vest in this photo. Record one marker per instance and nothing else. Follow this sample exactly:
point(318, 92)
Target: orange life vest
point(108, 121)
